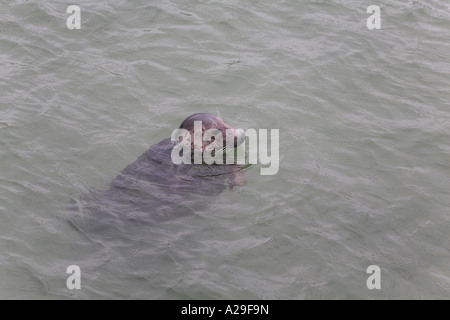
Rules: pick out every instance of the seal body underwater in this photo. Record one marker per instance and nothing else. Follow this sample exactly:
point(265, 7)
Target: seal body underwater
point(154, 188)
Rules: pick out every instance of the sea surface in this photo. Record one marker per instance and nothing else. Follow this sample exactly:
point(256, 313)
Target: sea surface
point(364, 120)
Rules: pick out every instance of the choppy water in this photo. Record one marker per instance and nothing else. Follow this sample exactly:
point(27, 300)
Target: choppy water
point(364, 122)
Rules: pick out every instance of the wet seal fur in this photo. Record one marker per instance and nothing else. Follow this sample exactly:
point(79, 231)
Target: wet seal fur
point(154, 188)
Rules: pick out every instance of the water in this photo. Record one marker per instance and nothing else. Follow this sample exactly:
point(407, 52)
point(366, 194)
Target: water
point(364, 155)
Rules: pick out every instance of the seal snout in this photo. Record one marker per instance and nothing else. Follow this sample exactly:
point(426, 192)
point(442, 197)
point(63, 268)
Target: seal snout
point(238, 136)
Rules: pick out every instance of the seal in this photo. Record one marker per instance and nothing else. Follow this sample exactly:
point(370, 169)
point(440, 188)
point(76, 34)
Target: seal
point(154, 187)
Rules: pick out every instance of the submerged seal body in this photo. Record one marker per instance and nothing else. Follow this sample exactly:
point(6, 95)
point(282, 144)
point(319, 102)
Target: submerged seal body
point(153, 187)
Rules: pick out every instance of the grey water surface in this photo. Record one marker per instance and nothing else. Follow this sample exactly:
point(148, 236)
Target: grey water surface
point(364, 120)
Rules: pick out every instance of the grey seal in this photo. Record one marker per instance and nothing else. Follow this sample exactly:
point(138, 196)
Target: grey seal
point(154, 188)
